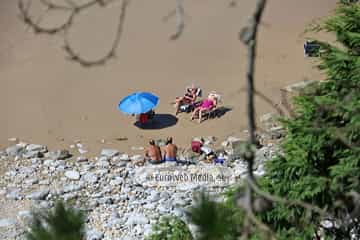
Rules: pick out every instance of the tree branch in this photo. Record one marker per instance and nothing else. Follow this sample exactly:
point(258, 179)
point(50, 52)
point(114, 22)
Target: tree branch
point(88, 63)
point(180, 22)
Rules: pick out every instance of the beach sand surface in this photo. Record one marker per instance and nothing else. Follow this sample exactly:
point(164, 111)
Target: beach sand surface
point(49, 100)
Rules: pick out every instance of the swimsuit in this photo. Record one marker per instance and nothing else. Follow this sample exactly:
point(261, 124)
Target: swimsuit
point(207, 103)
point(156, 161)
point(170, 159)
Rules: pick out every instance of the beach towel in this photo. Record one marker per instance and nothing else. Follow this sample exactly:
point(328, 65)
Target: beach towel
point(196, 146)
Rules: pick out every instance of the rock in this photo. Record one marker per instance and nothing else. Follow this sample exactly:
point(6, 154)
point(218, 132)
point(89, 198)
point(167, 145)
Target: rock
point(136, 158)
point(44, 182)
point(82, 151)
point(133, 148)
point(59, 154)
point(268, 118)
point(72, 188)
point(94, 235)
point(147, 230)
point(113, 221)
point(68, 196)
point(32, 181)
point(14, 194)
point(36, 147)
point(276, 132)
point(118, 181)
point(7, 222)
point(13, 139)
point(124, 157)
point(90, 177)
point(109, 152)
point(25, 216)
point(81, 159)
point(48, 162)
point(31, 154)
point(163, 210)
point(106, 200)
point(38, 195)
point(15, 150)
point(73, 175)
point(136, 219)
point(178, 213)
point(103, 164)
point(165, 195)
point(3, 154)
point(299, 86)
point(154, 196)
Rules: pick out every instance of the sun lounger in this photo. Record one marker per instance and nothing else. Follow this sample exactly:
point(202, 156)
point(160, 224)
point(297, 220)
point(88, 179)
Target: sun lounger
point(188, 107)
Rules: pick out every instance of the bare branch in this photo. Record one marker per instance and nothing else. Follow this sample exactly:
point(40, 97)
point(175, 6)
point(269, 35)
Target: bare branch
point(72, 9)
point(180, 22)
point(88, 63)
point(24, 14)
point(52, 6)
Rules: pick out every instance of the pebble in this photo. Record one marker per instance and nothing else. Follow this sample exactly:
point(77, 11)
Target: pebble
point(73, 175)
point(38, 195)
point(7, 222)
point(94, 235)
point(120, 205)
point(109, 152)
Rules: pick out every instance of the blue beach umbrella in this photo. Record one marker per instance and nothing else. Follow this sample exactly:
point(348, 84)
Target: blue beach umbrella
point(139, 102)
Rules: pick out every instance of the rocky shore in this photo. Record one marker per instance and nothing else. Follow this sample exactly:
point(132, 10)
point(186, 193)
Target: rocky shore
point(123, 200)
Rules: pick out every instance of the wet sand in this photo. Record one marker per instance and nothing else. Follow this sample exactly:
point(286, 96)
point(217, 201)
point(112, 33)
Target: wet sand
point(48, 100)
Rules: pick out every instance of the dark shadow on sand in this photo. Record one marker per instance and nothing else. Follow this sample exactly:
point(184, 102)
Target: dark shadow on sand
point(221, 111)
point(159, 121)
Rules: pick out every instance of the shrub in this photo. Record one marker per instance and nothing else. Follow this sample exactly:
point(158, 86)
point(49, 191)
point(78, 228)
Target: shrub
point(60, 223)
point(170, 228)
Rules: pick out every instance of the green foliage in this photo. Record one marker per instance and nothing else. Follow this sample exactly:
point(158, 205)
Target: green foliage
point(216, 220)
point(59, 223)
point(170, 228)
point(321, 162)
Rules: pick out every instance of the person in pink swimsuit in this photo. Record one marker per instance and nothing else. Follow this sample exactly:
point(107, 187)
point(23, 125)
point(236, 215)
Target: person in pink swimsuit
point(206, 105)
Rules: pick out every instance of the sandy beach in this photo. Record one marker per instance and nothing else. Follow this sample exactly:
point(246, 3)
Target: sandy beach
point(47, 99)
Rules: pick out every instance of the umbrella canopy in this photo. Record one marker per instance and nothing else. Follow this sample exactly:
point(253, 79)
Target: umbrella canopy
point(139, 102)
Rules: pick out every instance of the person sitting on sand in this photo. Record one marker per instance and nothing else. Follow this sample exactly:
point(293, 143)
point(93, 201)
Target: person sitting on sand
point(153, 153)
point(189, 98)
point(205, 105)
point(170, 150)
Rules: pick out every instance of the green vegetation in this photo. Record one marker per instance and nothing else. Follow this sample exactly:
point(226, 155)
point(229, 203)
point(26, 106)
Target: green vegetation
point(320, 163)
point(170, 228)
point(59, 223)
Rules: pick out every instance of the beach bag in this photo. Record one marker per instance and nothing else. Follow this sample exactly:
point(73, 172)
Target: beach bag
point(196, 146)
point(143, 118)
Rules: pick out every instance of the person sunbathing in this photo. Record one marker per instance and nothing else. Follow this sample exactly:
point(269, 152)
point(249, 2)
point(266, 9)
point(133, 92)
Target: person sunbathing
point(153, 153)
point(189, 98)
point(205, 105)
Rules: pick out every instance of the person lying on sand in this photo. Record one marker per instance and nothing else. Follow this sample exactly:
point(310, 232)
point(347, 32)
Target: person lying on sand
point(153, 153)
point(170, 150)
point(189, 98)
point(205, 105)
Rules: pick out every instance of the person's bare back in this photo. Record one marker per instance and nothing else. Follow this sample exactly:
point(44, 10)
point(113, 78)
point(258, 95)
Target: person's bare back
point(153, 152)
point(170, 151)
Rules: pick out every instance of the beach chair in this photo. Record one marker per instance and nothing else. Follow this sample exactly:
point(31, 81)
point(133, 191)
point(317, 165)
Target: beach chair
point(189, 107)
point(212, 112)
